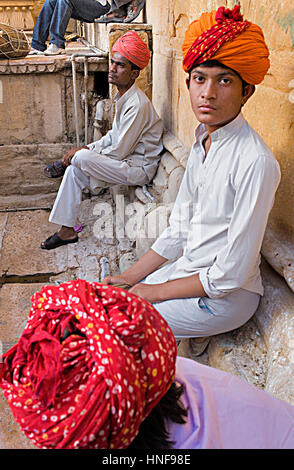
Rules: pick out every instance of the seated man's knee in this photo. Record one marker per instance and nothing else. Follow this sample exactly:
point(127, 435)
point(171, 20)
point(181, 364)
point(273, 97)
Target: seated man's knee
point(80, 157)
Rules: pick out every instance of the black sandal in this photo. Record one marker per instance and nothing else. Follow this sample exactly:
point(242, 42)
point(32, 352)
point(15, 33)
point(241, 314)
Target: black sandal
point(54, 170)
point(54, 241)
point(132, 15)
point(118, 16)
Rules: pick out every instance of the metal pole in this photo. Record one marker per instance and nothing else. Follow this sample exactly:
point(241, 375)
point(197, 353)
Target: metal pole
point(74, 78)
point(86, 98)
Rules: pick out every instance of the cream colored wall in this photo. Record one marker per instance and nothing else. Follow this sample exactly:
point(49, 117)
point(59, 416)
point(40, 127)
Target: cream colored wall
point(270, 111)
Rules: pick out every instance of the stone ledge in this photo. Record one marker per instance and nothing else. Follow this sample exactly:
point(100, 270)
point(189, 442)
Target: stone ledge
point(279, 255)
point(46, 64)
point(21, 172)
point(176, 148)
point(275, 320)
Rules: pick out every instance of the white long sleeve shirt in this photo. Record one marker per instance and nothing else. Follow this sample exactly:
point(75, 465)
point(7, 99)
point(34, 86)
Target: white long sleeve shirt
point(221, 211)
point(136, 135)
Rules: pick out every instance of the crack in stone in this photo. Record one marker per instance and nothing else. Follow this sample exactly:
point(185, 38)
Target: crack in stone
point(27, 278)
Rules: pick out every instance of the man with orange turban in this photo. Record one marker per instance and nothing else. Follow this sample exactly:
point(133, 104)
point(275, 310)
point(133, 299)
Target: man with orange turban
point(128, 154)
point(219, 218)
point(96, 367)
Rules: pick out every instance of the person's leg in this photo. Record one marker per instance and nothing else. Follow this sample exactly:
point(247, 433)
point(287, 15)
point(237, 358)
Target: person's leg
point(87, 169)
point(83, 10)
point(41, 29)
point(103, 171)
point(69, 197)
point(85, 166)
point(66, 208)
point(203, 317)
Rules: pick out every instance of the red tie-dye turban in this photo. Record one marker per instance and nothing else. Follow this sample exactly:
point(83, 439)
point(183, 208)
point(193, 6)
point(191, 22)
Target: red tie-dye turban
point(131, 46)
point(222, 35)
point(90, 365)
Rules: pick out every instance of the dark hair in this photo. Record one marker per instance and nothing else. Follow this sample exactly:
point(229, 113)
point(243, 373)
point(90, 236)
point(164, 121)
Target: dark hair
point(134, 66)
point(216, 63)
point(153, 433)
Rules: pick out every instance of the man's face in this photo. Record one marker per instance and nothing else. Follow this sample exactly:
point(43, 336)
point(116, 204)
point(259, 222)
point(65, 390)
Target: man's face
point(120, 71)
point(216, 95)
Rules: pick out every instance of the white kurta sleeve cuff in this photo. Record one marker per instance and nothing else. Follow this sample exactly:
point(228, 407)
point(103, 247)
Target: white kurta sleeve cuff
point(208, 286)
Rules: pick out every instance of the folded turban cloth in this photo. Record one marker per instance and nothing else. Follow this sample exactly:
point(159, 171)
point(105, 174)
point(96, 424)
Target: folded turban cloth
point(131, 46)
point(90, 365)
point(222, 35)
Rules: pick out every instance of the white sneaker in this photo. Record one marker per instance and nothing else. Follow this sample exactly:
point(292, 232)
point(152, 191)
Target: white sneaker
point(35, 52)
point(54, 50)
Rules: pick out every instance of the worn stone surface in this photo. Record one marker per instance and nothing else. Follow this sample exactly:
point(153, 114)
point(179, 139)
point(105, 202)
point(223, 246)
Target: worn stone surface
point(21, 172)
point(14, 309)
point(241, 352)
point(37, 98)
point(21, 254)
point(279, 254)
point(174, 183)
point(10, 435)
point(275, 320)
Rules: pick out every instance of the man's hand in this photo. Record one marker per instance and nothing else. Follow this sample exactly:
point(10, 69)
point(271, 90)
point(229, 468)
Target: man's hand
point(152, 293)
point(116, 281)
point(66, 159)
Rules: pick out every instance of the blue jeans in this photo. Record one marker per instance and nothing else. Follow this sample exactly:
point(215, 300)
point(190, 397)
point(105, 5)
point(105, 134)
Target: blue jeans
point(54, 18)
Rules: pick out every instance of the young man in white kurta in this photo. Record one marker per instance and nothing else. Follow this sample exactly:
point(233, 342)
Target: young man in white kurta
point(218, 221)
point(128, 154)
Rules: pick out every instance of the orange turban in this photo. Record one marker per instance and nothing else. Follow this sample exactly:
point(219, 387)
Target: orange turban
point(131, 46)
point(222, 35)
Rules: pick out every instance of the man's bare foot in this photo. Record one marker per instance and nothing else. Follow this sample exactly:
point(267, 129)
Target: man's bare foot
point(66, 233)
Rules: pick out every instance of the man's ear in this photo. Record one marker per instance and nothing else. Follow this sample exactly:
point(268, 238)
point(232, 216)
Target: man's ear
point(135, 73)
point(188, 82)
point(248, 92)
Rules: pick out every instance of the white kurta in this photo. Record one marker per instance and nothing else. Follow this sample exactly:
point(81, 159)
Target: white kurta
point(135, 137)
point(221, 211)
point(128, 154)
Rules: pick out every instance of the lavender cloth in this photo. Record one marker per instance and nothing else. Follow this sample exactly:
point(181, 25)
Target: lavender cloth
point(226, 412)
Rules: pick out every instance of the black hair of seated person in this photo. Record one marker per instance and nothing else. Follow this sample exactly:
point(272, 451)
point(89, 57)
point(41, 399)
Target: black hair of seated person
point(134, 67)
point(216, 63)
point(153, 433)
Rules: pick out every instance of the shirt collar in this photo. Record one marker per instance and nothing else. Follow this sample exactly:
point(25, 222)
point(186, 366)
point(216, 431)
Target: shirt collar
point(120, 100)
point(223, 132)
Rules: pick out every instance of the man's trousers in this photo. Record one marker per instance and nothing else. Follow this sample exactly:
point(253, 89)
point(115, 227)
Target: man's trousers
point(87, 170)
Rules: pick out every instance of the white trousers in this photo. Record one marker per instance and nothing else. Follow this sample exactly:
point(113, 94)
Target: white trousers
point(87, 170)
point(203, 316)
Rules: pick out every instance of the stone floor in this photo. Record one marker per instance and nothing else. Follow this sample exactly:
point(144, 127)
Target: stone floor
point(24, 268)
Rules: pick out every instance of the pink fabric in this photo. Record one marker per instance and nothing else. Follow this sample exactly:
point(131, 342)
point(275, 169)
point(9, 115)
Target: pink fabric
point(226, 412)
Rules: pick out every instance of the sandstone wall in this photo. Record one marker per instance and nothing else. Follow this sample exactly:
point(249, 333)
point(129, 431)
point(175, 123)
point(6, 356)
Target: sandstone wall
point(270, 111)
